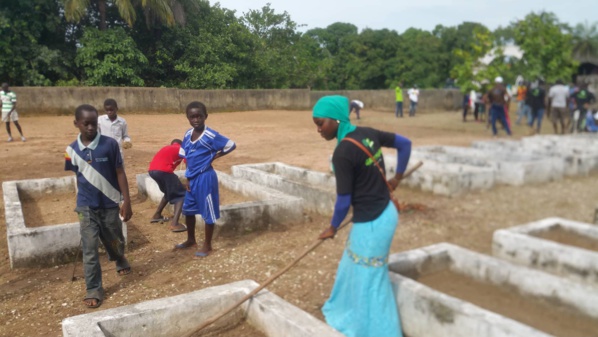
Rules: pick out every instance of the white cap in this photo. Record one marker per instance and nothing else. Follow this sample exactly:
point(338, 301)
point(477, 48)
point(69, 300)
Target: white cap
point(498, 79)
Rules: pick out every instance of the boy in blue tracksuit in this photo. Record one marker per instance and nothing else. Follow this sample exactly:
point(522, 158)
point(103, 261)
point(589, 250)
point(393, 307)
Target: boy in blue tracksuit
point(201, 146)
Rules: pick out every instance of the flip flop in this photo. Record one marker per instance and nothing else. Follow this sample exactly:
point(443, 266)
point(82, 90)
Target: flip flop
point(97, 305)
point(183, 246)
point(124, 271)
point(202, 254)
point(162, 219)
point(179, 228)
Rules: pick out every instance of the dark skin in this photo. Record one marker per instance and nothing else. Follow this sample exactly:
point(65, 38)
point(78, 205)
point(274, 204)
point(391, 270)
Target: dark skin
point(6, 89)
point(88, 126)
point(197, 119)
point(328, 129)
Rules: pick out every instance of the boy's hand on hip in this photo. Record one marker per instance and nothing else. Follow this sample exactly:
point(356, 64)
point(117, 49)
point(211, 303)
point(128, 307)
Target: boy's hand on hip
point(125, 211)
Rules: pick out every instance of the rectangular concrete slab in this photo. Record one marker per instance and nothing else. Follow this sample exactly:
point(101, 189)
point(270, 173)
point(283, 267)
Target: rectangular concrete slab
point(574, 162)
point(520, 245)
point(181, 315)
point(427, 312)
point(39, 246)
point(317, 189)
point(440, 178)
point(273, 208)
point(513, 168)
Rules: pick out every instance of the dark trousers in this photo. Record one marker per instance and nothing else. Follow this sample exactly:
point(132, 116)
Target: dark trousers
point(399, 109)
point(497, 112)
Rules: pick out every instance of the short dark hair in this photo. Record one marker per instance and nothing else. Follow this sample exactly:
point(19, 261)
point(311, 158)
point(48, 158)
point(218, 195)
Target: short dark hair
point(84, 107)
point(110, 102)
point(197, 105)
point(559, 81)
point(177, 141)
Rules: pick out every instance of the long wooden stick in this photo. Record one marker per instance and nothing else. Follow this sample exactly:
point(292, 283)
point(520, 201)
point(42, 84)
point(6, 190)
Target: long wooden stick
point(313, 246)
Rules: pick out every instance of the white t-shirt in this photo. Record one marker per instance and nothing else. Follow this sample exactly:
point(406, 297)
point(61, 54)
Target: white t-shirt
point(359, 103)
point(413, 93)
point(558, 95)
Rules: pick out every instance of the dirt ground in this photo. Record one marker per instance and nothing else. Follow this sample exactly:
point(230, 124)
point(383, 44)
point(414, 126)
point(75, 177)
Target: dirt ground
point(33, 302)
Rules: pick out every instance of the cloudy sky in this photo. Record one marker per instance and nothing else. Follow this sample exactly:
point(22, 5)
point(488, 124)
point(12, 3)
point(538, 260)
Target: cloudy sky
point(424, 14)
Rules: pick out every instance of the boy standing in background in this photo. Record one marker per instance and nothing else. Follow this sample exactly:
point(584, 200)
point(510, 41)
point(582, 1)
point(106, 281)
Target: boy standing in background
point(114, 126)
point(201, 146)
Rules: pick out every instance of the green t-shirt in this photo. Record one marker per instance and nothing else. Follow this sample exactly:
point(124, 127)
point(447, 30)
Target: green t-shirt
point(8, 100)
point(399, 93)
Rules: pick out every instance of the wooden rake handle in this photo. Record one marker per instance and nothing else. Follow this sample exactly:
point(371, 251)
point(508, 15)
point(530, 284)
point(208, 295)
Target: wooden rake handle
point(313, 246)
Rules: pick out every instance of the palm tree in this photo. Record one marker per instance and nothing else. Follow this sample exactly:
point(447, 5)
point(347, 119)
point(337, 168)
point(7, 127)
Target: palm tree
point(585, 42)
point(159, 10)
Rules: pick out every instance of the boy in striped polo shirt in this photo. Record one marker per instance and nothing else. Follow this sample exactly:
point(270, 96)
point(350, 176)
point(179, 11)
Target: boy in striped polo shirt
point(9, 110)
point(101, 182)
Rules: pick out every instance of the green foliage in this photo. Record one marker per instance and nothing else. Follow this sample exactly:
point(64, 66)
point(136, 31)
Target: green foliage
point(109, 58)
point(547, 46)
point(32, 54)
point(471, 72)
point(585, 41)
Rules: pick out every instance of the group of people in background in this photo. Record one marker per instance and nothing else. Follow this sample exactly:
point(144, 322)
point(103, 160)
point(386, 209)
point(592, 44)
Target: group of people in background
point(568, 107)
point(412, 93)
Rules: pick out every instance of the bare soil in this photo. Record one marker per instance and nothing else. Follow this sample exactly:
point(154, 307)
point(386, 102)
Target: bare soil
point(33, 302)
point(566, 237)
point(539, 313)
point(48, 208)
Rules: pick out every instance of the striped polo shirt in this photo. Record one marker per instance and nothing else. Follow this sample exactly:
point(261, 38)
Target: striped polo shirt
point(8, 100)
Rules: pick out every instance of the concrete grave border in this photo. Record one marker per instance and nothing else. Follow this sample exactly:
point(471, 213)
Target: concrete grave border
point(273, 208)
point(294, 181)
point(427, 312)
point(45, 245)
point(518, 245)
point(182, 314)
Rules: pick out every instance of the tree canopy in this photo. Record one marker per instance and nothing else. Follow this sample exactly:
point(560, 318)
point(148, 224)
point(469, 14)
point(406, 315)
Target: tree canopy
point(196, 44)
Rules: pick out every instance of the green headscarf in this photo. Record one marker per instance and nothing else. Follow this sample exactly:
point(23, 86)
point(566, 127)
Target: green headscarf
point(335, 107)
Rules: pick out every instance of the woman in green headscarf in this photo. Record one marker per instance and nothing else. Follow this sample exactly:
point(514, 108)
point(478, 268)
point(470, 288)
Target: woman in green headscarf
point(362, 302)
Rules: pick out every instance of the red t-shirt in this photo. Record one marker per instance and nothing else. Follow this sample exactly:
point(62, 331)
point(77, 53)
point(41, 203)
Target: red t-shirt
point(167, 159)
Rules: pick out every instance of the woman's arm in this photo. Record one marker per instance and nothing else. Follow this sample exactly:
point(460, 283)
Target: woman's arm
point(341, 208)
point(403, 146)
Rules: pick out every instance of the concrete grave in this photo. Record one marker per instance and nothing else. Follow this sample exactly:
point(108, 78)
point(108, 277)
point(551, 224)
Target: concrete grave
point(182, 314)
point(317, 189)
point(428, 312)
point(513, 168)
point(524, 245)
point(39, 246)
point(574, 162)
point(272, 209)
point(446, 179)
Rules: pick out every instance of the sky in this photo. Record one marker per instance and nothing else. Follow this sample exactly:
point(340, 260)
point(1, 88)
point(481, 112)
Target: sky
point(423, 14)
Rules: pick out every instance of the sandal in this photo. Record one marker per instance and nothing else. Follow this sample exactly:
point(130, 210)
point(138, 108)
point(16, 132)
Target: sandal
point(92, 306)
point(178, 228)
point(160, 220)
point(124, 271)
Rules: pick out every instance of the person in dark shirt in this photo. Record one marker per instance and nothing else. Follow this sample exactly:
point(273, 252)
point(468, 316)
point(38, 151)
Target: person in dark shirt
point(536, 99)
point(497, 99)
point(583, 98)
point(362, 275)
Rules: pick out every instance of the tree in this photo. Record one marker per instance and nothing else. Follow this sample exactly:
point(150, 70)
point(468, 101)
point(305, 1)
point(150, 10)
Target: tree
point(585, 41)
point(75, 10)
point(470, 72)
point(110, 58)
point(547, 47)
point(34, 51)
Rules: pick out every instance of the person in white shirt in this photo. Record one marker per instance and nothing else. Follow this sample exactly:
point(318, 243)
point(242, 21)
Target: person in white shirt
point(413, 97)
point(114, 126)
point(558, 95)
point(357, 106)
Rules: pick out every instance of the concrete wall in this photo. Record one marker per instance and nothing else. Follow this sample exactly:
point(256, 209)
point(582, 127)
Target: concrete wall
point(64, 100)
